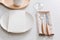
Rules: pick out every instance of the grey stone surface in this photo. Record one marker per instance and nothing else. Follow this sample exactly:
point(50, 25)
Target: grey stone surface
point(51, 5)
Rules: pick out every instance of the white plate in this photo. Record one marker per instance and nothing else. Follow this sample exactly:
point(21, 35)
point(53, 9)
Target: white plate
point(17, 22)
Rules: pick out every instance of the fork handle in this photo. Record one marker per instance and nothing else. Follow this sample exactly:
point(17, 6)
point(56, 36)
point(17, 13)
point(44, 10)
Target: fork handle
point(42, 27)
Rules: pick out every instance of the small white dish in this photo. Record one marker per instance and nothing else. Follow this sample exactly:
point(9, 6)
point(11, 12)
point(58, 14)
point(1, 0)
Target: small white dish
point(17, 22)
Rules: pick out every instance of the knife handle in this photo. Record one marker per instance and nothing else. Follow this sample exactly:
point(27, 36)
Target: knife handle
point(48, 31)
point(42, 28)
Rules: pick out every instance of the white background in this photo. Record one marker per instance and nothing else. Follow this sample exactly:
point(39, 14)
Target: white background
point(52, 5)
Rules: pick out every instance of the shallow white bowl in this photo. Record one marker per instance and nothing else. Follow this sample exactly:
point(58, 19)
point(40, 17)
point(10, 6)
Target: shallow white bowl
point(17, 22)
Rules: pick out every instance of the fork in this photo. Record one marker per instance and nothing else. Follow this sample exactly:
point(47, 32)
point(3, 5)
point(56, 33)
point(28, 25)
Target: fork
point(42, 24)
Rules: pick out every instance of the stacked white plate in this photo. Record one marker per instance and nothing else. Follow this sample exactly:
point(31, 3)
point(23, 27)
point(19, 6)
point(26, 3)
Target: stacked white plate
point(17, 22)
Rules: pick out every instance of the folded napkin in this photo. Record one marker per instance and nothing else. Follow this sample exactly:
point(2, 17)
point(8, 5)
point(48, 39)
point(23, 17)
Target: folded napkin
point(17, 21)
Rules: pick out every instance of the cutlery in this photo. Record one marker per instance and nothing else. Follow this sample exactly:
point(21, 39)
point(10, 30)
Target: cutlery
point(45, 28)
point(48, 27)
point(42, 24)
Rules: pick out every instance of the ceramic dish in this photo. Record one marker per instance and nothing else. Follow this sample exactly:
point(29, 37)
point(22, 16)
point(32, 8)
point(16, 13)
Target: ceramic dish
point(12, 5)
point(17, 22)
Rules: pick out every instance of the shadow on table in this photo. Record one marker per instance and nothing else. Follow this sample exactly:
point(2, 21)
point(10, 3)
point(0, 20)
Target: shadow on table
point(45, 38)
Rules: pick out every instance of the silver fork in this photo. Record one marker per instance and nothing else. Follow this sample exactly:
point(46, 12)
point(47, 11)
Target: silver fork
point(42, 24)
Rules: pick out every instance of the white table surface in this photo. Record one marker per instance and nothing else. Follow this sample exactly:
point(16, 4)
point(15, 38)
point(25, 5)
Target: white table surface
point(51, 5)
